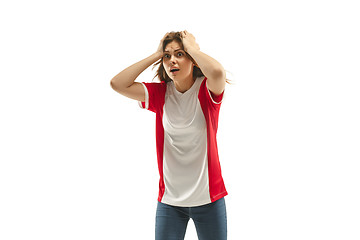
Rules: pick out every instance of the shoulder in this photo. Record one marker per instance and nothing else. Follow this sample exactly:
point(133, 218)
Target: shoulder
point(207, 96)
point(154, 95)
point(155, 85)
point(155, 88)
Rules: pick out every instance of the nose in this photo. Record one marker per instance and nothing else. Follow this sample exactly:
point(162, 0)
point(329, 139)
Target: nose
point(172, 59)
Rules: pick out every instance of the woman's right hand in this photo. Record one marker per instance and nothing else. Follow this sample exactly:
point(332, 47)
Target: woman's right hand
point(124, 82)
point(160, 47)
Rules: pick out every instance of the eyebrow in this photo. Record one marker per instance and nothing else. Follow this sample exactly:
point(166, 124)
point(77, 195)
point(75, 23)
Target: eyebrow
point(175, 50)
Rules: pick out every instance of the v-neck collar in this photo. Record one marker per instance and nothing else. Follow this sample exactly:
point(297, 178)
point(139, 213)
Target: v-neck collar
point(191, 89)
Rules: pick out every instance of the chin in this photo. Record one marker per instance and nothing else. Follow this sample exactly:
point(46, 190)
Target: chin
point(179, 78)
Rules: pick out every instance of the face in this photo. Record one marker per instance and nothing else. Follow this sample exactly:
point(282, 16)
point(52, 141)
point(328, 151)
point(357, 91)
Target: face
point(176, 63)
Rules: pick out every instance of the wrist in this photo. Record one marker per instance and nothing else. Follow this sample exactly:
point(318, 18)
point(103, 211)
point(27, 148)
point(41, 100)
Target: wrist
point(192, 49)
point(158, 54)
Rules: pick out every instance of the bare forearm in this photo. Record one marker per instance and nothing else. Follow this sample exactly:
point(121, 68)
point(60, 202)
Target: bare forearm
point(127, 77)
point(208, 65)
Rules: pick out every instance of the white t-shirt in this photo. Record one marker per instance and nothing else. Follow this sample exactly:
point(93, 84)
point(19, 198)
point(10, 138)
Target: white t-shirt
point(186, 125)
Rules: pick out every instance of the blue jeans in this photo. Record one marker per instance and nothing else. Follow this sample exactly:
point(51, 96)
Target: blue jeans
point(210, 221)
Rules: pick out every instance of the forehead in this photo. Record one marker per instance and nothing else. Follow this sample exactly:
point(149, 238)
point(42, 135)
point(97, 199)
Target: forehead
point(172, 46)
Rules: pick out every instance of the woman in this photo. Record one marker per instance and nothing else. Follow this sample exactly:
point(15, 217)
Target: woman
point(186, 102)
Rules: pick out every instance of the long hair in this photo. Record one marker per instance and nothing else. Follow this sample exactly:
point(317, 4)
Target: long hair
point(161, 73)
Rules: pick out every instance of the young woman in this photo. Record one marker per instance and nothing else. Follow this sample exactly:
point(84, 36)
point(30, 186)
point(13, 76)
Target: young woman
point(186, 102)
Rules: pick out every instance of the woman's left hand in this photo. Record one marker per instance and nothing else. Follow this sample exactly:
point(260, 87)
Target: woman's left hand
point(189, 41)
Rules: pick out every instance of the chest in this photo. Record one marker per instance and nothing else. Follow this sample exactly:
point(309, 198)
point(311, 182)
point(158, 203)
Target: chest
point(183, 115)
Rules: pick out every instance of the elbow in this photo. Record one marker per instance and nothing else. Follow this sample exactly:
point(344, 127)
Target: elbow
point(115, 86)
point(218, 73)
point(112, 84)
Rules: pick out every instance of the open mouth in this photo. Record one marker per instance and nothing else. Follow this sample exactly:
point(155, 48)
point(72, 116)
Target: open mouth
point(174, 70)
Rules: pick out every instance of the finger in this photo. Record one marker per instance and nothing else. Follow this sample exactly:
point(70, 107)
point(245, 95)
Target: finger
point(182, 34)
point(165, 35)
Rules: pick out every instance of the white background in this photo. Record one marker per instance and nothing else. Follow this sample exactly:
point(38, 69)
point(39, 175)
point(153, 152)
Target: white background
point(78, 160)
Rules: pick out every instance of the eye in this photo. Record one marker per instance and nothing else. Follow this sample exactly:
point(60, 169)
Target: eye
point(166, 55)
point(180, 54)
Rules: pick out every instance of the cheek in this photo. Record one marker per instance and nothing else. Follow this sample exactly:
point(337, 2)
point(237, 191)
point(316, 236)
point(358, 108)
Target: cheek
point(187, 64)
point(164, 64)
point(166, 67)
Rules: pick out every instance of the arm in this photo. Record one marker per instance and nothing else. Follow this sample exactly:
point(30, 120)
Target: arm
point(212, 69)
point(124, 82)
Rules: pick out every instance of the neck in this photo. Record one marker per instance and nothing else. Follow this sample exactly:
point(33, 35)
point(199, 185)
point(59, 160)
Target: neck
point(184, 85)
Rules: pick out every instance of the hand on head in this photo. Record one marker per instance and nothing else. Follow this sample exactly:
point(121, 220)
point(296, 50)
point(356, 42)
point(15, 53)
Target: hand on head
point(189, 41)
point(187, 38)
point(160, 47)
